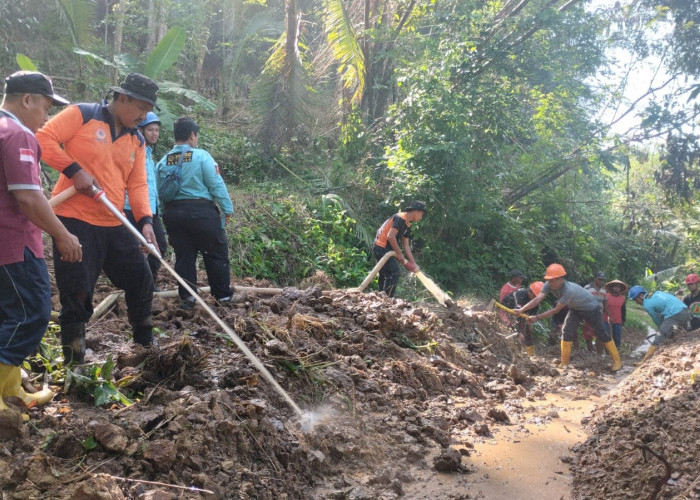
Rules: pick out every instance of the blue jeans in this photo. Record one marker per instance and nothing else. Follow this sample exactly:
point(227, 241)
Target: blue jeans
point(25, 307)
point(616, 333)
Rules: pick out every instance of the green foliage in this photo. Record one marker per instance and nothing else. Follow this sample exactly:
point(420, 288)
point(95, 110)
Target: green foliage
point(96, 381)
point(166, 53)
point(284, 240)
point(25, 63)
point(240, 158)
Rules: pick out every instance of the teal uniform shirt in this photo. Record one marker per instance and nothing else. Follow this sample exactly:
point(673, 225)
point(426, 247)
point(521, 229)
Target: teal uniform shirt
point(200, 177)
point(662, 305)
point(151, 181)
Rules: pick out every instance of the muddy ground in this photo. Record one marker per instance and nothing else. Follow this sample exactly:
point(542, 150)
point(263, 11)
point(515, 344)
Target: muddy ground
point(403, 396)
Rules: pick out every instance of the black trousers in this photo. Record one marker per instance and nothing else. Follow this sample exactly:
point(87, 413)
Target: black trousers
point(194, 226)
point(161, 239)
point(390, 273)
point(113, 250)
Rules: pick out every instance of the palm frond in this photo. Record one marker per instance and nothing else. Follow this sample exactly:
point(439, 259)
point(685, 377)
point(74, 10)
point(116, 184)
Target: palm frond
point(78, 16)
point(260, 24)
point(177, 89)
point(281, 97)
point(346, 47)
point(95, 57)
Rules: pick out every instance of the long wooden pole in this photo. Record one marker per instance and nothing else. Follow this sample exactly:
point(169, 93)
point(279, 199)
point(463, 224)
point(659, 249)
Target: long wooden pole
point(374, 272)
point(62, 196)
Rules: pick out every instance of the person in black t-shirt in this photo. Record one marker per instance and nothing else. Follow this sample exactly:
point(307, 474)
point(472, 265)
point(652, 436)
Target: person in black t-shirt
point(518, 299)
point(396, 227)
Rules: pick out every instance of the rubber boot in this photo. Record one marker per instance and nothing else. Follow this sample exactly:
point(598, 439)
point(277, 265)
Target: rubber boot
point(143, 332)
point(614, 354)
point(11, 386)
point(530, 350)
point(648, 354)
point(4, 376)
point(565, 353)
point(73, 341)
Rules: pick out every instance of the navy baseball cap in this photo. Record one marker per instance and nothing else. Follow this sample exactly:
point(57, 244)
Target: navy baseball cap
point(33, 82)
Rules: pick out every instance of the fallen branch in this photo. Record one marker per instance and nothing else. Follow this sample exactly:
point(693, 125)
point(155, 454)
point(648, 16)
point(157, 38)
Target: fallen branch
point(157, 483)
point(669, 470)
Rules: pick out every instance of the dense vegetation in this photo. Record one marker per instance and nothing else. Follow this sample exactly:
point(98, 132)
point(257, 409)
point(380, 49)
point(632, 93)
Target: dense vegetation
point(511, 119)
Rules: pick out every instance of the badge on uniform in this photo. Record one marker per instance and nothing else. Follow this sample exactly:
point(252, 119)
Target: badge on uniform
point(26, 155)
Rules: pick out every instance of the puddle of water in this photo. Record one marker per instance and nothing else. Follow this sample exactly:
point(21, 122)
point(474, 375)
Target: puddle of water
point(522, 461)
point(527, 465)
point(642, 349)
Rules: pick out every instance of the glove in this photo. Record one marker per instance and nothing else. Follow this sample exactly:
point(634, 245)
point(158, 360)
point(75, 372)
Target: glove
point(411, 266)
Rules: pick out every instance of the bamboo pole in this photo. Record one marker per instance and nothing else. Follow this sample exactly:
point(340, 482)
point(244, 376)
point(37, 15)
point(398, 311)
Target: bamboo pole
point(374, 272)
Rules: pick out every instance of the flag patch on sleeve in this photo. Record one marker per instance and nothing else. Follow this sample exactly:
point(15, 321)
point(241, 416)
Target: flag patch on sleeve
point(26, 155)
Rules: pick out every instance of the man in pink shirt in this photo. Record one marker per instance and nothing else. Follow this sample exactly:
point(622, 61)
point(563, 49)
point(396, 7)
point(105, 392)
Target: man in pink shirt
point(25, 288)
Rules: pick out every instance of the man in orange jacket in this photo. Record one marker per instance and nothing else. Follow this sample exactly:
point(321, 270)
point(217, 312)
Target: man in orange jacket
point(98, 145)
point(395, 227)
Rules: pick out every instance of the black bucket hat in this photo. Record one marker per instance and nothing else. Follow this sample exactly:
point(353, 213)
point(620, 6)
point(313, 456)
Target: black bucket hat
point(599, 275)
point(32, 82)
point(415, 205)
point(516, 273)
point(139, 87)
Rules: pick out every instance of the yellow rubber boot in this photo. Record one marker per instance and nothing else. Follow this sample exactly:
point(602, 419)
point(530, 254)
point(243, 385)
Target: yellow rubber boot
point(12, 387)
point(615, 355)
point(565, 353)
point(4, 375)
point(530, 350)
point(648, 354)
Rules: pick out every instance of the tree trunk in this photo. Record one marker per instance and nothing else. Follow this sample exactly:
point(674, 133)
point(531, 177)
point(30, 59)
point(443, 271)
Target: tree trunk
point(150, 25)
point(119, 14)
point(161, 20)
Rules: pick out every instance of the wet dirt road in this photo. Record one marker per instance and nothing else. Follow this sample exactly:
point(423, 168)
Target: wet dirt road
point(522, 461)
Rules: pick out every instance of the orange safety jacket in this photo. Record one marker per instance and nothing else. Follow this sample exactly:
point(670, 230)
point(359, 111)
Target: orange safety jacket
point(382, 236)
point(117, 163)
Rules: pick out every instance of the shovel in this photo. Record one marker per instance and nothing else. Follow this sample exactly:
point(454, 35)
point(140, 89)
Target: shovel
point(509, 310)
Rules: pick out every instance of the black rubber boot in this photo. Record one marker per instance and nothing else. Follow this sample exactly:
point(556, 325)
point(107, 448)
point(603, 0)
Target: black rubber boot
point(143, 332)
point(73, 342)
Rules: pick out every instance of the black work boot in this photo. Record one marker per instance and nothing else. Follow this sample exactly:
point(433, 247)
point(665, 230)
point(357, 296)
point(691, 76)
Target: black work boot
point(143, 332)
point(73, 342)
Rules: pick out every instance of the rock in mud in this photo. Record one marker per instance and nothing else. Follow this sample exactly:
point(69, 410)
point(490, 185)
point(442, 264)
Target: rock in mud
point(98, 487)
point(449, 460)
point(111, 436)
point(161, 453)
point(11, 426)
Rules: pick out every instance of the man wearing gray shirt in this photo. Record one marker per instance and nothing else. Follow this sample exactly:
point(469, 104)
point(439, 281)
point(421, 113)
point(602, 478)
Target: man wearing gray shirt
point(582, 307)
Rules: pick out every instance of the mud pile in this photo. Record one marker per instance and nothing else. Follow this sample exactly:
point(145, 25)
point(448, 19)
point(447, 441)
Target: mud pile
point(394, 388)
point(377, 375)
point(645, 443)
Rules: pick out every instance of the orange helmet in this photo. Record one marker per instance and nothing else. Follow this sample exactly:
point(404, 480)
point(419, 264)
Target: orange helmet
point(692, 278)
point(536, 287)
point(554, 271)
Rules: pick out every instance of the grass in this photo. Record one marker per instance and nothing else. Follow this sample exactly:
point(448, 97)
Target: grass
point(637, 317)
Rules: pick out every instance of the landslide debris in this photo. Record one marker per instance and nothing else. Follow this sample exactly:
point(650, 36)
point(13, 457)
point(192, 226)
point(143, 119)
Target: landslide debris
point(645, 442)
point(393, 387)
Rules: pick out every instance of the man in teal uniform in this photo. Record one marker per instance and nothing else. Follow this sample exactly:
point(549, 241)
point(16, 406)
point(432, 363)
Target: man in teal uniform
point(193, 217)
point(666, 310)
point(150, 129)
